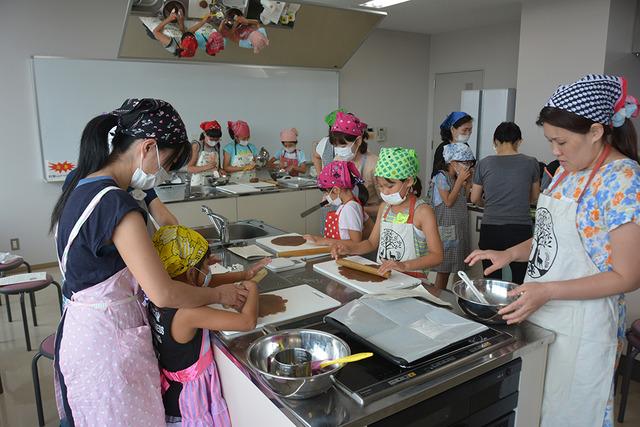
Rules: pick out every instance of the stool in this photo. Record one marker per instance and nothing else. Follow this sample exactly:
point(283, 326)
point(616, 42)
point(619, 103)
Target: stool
point(46, 349)
point(633, 348)
point(12, 265)
point(30, 288)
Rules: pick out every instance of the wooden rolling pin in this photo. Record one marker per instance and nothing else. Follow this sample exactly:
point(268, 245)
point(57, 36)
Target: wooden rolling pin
point(260, 275)
point(303, 252)
point(361, 267)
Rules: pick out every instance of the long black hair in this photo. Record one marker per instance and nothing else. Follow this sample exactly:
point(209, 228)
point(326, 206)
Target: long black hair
point(95, 153)
point(445, 133)
point(622, 138)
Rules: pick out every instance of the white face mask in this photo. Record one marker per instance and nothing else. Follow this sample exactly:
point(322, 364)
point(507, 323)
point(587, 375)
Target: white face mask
point(146, 181)
point(333, 202)
point(290, 150)
point(212, 143)
point(344, 153)
point(462, 138)
point(393, 198)
point(243, 142)
point(207, 277)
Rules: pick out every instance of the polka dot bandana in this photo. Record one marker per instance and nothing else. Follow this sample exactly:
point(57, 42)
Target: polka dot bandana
point(397, 163)
point(339, 174)
point(349, 124)
point(330, 118)
point(180, 248)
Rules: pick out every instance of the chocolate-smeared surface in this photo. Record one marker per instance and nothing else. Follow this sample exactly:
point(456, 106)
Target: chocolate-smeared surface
point(360, 276)
point(289, 241)
point(271, 304)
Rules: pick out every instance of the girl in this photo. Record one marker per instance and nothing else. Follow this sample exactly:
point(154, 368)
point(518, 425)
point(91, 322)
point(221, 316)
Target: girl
point(405, 233)
point(238, 29)
point(190, 384)
point(449, 200)
point(584, 253)
point(104, 359)
point(205, 155)
point(456, 127)
point(510, 182)
point(290, 158)
point(239, 155)
point(337, 181)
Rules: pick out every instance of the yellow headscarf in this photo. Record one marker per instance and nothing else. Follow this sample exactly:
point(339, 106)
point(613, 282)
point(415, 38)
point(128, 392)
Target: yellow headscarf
point(180, 248)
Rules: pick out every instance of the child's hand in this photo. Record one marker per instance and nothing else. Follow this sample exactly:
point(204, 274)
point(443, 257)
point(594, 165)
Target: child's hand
point(249, 286)
point(389, 265)
point(311, 239)
point(254, 268)
point(210, 261)
point(173, 16)
point(338, 250)
point(463, 174)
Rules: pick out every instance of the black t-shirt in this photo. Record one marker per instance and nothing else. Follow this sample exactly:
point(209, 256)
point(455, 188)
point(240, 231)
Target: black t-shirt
point(172, 355)
point(92, 256)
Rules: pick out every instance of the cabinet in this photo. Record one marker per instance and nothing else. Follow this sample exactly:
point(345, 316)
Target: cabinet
point(475, 221)
point(191, 215)
point(313, 221)
point(280, 210)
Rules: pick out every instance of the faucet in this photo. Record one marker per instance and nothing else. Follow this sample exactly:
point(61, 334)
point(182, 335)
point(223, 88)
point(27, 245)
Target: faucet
point(219, 222)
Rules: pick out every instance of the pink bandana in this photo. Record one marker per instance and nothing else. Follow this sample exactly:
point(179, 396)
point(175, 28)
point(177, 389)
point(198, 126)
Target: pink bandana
point(349, 124)
point(240, 129)
point(338, 174)
point(289, 135)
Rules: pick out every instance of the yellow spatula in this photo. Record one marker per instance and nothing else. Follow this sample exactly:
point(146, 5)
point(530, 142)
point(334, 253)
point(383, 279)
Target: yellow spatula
point(320, 364)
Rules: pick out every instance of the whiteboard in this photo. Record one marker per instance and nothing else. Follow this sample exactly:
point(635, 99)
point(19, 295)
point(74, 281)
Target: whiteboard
point(69, 92)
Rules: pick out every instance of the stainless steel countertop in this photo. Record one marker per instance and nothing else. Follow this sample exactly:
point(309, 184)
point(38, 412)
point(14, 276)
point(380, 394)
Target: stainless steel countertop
point(335, 408)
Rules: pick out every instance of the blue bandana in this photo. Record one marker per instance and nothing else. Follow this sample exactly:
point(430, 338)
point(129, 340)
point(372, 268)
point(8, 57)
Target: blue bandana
point(453, 117)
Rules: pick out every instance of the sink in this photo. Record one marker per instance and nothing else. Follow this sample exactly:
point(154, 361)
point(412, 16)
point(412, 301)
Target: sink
point(238, 231)
point(146, 7)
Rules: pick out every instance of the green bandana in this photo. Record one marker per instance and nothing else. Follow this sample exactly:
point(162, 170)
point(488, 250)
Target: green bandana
point(397, 163)
point(330, 118)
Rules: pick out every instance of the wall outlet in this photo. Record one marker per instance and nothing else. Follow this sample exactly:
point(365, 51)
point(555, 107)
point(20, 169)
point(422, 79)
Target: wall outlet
point(381, 134)
point(15, 244)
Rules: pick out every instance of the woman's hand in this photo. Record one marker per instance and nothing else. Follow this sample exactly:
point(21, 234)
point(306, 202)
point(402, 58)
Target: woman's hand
point(253, 269)
point(532, 297)
point(498, 259)
point(389, 265)
point(232, 295)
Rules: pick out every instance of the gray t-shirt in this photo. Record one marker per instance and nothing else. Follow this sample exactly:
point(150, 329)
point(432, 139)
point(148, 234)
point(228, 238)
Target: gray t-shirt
point(506, 183)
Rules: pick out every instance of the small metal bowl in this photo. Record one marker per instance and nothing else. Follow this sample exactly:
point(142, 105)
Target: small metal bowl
point(494, 291)
point(321, 345)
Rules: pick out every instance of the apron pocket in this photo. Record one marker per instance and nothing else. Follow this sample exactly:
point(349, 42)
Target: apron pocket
point(137, 357)
point(448, 235)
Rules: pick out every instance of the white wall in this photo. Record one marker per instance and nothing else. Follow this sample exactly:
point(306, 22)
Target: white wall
point(560, 41)
point(385, 84)
point(78, 29)
point(491, 49)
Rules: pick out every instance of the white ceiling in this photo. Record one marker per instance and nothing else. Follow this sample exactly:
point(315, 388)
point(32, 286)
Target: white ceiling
point(439, 16)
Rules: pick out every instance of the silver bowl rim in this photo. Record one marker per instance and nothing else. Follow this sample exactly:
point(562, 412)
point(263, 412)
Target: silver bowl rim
point(458, 284)
point(270, 375)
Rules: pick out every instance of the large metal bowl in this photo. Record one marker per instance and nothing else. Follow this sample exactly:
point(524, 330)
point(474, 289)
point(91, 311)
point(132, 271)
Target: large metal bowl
point(321, 345)
point(494, 291)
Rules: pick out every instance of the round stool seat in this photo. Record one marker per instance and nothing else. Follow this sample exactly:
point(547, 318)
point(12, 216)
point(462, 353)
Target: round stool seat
point(633, 336)
point(47, 347)
point(34, 285)
point(635, 327)
point(11, 264)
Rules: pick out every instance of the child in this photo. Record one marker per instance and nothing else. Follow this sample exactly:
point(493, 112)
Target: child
point(205, 155)
point(290, 158)
point(239, 155)
point(190, 384)
point(337, 181)
point(188, 44)
point(246, 32)
point(449, 187)
point(405, 233)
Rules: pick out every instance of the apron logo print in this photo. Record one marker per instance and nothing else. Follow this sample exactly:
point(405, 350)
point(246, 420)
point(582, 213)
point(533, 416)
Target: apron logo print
point(391, 245)
point(544, 247)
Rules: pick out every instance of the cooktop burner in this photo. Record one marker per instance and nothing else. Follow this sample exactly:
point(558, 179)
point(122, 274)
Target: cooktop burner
point(373, 378)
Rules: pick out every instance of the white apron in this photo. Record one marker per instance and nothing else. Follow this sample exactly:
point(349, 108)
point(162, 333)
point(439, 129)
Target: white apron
point(203, 159)
point(581, 360)
point(397, 238)
point(240, 160)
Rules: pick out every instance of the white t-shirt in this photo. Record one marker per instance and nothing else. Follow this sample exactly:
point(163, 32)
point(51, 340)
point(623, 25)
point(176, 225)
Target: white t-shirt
point(351, 217)
point(321, 144)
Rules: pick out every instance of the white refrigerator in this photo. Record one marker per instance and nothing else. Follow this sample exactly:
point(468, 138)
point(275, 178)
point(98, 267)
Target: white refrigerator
point(489, 108)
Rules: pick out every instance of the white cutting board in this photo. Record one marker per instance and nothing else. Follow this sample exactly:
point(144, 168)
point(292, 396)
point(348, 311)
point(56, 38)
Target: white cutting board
point(397, 280)
point(238, 189)
point(265, 242)
point(302, 301)
point(261, 184)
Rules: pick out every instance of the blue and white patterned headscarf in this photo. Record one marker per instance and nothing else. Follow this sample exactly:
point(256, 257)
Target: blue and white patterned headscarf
point(597, 97)
point(151, 118)
point(458, 152)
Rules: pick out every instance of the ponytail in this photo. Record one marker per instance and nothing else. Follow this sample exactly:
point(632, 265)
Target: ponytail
point(625, 140)
point(363, 194)
point(417, 187)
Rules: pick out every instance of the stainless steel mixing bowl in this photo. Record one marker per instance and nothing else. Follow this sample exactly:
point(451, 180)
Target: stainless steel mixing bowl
point(495, 292)
point(321, 345)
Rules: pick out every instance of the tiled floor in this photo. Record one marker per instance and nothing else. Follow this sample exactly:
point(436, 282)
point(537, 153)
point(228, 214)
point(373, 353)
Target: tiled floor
point(17, 407)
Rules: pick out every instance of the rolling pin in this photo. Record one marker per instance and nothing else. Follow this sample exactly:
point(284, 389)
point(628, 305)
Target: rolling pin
point(361, 267)
point(260, 275)
point(303, 252)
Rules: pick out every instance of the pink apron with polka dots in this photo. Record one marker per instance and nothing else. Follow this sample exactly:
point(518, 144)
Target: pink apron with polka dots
point(106, 368)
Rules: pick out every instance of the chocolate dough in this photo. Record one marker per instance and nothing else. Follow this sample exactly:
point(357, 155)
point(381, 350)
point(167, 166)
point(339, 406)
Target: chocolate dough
point(289, 241)
point(271, 304)
point(360, 276)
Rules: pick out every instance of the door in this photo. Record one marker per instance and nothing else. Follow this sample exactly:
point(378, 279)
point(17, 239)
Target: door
point(447, 89)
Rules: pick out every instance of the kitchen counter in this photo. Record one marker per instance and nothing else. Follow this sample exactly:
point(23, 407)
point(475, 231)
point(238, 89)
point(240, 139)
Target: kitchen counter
point(216, 194)
point(335, 408)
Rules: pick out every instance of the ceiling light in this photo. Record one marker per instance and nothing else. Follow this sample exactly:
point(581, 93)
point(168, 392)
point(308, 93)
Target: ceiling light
point(380, 4)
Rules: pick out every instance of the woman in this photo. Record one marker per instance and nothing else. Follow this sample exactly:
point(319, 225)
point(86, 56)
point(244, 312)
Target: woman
point(506, 184)
point(106, 371)
point(205, 155)
point(456, 127)
point(584, 254)
point(240, 155)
